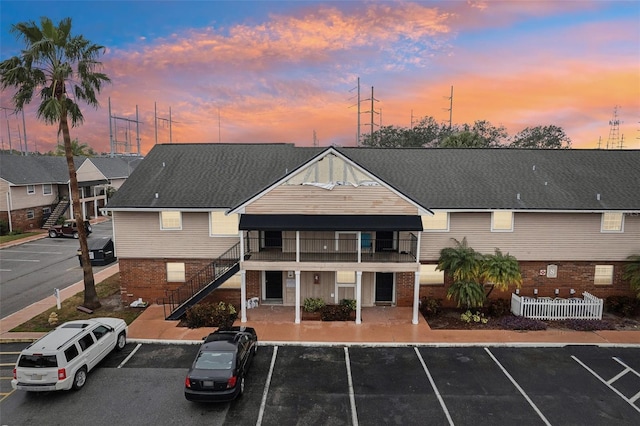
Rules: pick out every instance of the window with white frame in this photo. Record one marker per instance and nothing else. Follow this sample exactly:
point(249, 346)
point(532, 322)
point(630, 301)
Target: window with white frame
point(603, 275)
point(222, 224)
point(438, 222)
point(502, 221)
point(346, 277)
point(31, 189)
point(430, 276)
point(175, 272)
point(170, 220)
point(31, 214)
point(612, 222)
point(46, 189)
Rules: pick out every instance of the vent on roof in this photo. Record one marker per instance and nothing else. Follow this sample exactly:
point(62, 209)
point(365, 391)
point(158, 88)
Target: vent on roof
point(534, 167)
point(156, 195)
point(598, 197)
point(518, 195)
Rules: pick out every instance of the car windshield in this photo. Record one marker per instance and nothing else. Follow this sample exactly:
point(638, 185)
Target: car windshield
point(214, 361)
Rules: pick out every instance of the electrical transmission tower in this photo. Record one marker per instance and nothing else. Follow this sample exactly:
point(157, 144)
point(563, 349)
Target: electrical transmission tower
point(450, 109)
point(121, 144)
point(614, 130)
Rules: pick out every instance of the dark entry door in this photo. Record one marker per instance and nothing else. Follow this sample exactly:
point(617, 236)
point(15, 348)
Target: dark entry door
point(384, 287)
point(273, 285)
point(384, 241)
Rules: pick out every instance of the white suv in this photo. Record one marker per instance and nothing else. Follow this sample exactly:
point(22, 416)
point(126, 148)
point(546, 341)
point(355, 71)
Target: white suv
point(61, 359)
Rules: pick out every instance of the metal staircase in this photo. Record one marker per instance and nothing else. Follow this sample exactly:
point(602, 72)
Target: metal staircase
point(56, 213)
point(202, 283)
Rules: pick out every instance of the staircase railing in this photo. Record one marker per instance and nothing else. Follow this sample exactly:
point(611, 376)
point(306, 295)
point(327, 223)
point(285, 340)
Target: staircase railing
point(58, 211)
point(180, 298)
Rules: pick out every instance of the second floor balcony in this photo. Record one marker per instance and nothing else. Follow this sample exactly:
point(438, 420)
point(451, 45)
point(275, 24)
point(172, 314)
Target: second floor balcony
point(345, 248)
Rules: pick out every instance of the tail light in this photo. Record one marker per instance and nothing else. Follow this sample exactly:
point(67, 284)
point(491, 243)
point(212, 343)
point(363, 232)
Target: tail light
point(15, 375)
point(62, 374)
point(187, 382)
point(231, 383)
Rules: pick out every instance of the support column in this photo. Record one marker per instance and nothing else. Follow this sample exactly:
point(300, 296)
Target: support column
point(416, 297)
point(243, 295)
point(358, 297)
point(297, 321)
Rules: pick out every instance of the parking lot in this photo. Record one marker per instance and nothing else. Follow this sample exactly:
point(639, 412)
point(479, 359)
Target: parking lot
point(356, 385)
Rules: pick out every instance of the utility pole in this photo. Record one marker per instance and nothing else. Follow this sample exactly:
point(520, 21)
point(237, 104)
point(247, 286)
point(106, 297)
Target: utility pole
point(219, 137)
point(614, 131)
point(450, 108)
point(358, 106)
point(169, 120)
point(113, 132)
point(372, 111)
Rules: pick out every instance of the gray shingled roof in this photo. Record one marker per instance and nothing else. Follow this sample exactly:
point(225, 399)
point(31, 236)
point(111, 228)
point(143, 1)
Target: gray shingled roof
point(192, 176)
point(38, 169)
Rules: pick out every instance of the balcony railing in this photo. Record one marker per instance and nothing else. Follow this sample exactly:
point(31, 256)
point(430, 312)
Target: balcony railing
point(331, 250)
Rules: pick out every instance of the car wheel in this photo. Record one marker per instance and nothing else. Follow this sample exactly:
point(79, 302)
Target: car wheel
point(53, 234)
point(80, 379)
point(241, 386)
point(122, 341)
point(76, 235)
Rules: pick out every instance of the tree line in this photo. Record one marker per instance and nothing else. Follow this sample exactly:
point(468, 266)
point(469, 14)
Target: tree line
point(428, 133)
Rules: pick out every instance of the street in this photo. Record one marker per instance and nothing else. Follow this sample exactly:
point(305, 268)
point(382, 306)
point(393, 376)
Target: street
point(31, 271)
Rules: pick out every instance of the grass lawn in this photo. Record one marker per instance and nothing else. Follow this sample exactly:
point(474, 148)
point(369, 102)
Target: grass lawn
point(9, 238)
point(109, 294)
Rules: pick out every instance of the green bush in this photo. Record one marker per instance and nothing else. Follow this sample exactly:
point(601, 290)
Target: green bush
point(335, 313)
point(313, 304)
point(352, 304)
point(430, 307)
point(478, 317)
point(4, 227)
point(211, 315)
point(498, 307)
point(625, 306)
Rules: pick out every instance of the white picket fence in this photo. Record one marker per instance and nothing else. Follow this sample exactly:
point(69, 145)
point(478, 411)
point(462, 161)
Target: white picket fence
point(547, 308)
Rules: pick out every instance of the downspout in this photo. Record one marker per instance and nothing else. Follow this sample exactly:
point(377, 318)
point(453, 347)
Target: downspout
point(9, 209)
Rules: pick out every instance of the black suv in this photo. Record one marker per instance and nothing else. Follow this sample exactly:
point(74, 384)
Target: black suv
point(222, 363)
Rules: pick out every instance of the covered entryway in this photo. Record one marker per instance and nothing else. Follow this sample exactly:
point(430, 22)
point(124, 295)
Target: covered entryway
point(273, 286)
point(384, 287)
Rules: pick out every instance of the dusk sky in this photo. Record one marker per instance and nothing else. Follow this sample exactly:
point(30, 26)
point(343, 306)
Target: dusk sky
point(278, 71)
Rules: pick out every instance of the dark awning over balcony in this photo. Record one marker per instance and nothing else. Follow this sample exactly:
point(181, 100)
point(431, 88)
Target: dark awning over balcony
point(301, 222)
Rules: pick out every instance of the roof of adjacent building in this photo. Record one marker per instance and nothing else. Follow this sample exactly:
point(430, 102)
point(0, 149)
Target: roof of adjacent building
point(39, 169)
point(211, 176)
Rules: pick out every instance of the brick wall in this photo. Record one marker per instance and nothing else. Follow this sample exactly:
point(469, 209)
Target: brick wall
point(404, 288)
point(19, 219)
point(576, 275)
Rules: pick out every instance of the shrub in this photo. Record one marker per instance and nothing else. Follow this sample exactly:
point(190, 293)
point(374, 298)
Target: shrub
point(477, 317)
point(588, 325)
point(622, 305)
point(430, 307)
point(498, 307)
point(61, 220)
point(467, 294)
point(350, 303)
point(211, 315)
point(4, 227)
point(313, 304)
point(512, 322)
point(335, 313)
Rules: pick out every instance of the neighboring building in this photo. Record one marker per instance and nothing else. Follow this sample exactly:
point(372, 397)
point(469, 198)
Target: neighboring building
point(282, 223)
point(35, 188)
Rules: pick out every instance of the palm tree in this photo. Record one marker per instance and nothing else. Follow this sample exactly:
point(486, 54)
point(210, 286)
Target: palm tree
point(632, 273)
point(464, 264)
point(60, 68)
point(77, 149)
point(501, 270)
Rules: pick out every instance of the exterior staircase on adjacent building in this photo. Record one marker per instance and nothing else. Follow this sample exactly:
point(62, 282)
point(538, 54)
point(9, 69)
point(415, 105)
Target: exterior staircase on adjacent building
point(56, 213)
point(196, 288)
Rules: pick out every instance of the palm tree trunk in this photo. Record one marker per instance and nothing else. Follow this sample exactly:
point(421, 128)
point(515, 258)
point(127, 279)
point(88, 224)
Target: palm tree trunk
point(91, 300)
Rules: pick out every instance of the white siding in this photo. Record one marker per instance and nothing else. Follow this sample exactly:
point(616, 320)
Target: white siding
point(139, 235)
point(539, 236)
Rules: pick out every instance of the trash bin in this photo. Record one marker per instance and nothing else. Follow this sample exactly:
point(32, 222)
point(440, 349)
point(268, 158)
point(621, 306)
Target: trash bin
point(101, 252)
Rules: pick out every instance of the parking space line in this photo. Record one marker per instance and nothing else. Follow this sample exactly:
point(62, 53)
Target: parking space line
point(513, 381)
point(619, 361)
point(435, 388)
point(617, 392)
point(31, 252)
point(352, 396)
point(7, 364)
point(124, 361)
point(6, 395)
point(263, 403)
point(20, 260)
